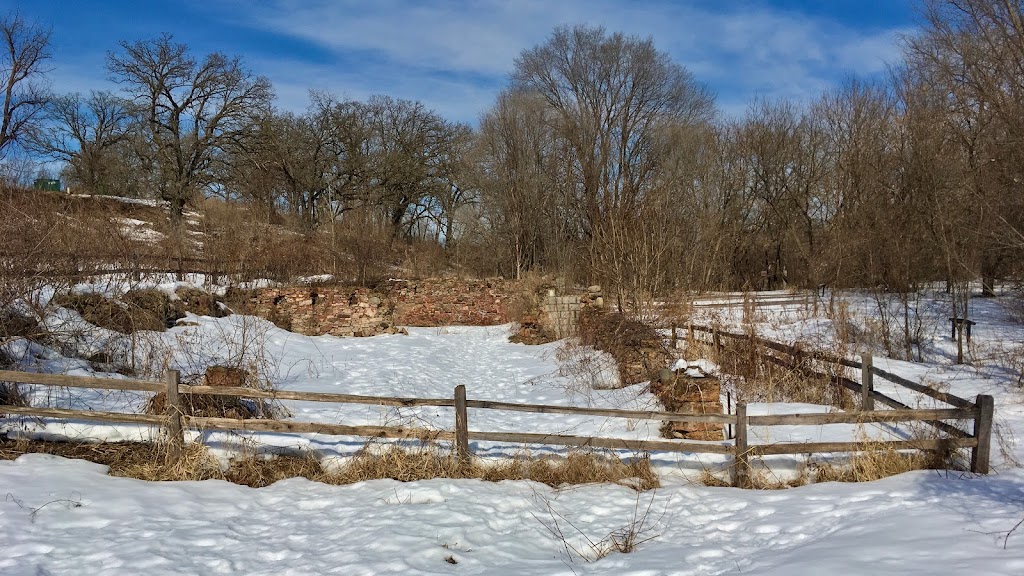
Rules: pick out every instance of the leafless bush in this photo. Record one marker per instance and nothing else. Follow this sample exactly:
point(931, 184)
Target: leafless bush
point(585, 368)
point(577, 543)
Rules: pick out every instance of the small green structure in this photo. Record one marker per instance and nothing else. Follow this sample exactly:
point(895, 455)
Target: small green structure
point(50, 184)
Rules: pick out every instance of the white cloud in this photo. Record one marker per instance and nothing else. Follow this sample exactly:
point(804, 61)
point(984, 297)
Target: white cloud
point(452, 54)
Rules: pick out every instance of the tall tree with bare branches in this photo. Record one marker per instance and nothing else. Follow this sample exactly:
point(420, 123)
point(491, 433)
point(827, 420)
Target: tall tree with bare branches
point(191, 111)
point(23, 68)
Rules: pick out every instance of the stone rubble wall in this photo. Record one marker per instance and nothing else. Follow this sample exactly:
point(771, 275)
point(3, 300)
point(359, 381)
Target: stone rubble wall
point(451, 302)
point(680, 392)
point(348, 311)
point(318, 310)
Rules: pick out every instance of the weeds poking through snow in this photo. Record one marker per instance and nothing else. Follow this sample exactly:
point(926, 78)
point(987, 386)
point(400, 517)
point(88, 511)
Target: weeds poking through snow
point(625, 539)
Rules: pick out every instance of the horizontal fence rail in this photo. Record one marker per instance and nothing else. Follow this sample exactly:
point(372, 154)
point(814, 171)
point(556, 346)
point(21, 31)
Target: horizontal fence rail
point(175, 422)
point(980, 411)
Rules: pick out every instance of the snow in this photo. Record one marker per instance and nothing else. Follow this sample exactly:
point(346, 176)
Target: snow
point(139, 230)
point(68, 517)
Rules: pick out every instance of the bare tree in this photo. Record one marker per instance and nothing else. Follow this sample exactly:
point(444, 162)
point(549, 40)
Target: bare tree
point(84, 132)
point(191, 111)
point(26, 49)
point(610, 94)
point(974, 51)
point(612, 99)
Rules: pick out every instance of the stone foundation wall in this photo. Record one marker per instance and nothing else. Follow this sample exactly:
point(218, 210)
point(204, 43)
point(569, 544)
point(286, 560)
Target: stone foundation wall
point(347, 311)
point(316, 311)
point(451, 302)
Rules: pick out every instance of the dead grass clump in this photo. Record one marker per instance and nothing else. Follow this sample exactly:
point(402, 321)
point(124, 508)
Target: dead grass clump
point(257, 472)
point(590, 468)
point(136, 310)
point(145, 461)
point(877, 463)
point(149, 461)
point(396, 463)
point(757, 480)
point(195, 463)
point(579, 467)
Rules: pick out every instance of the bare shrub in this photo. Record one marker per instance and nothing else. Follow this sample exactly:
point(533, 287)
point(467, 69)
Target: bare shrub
point(586, 369)
point(578, 544)
point(638, 348)
point(136, 310)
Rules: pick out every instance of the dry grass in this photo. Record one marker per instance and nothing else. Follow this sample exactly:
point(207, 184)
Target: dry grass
point(753, 378)
point(145, 461)
point(877, 463)
point(149, 462)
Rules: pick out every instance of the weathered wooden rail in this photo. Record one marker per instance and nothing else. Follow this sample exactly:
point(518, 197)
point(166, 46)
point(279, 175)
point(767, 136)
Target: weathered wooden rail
point(175, 423)
point(980, 411)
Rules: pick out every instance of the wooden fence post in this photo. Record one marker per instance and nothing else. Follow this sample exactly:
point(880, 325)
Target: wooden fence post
point(675, 343)
point(983, 432)
point(867, 382)
point(741, 465)
point(461, 425)
point(717, 340)
point(689, 332)
point(175, 431)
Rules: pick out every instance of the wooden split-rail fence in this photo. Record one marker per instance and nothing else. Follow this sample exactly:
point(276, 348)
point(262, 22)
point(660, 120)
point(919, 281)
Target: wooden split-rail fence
point(175, 422)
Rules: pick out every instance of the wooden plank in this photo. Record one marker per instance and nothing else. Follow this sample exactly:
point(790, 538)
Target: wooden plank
point(819, 447)
point(942, 426)
point(610, 412)
point(118, 417)
point(591, 442)
point(741, 463)
point(241, 392)
point(461, 424)
point(983, 434)
point(855, 387)
point(867, 403)
point(941, 396)
point(175, 431)
point(862, 417)
point(259, 425)
point(81, 381)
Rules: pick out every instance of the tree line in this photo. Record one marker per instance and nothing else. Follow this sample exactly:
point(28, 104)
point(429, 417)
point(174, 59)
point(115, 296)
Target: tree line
point(602, 160)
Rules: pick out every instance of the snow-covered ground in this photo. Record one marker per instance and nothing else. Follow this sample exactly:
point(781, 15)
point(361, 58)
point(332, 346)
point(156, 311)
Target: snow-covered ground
point(68, 517)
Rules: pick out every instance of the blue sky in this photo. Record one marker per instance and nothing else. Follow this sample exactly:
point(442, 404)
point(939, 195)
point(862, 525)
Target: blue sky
point(455, 55)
